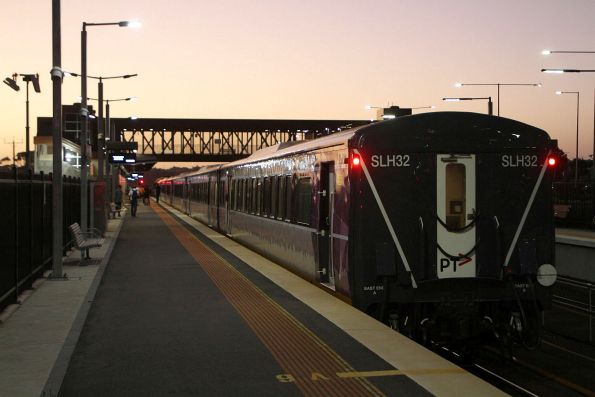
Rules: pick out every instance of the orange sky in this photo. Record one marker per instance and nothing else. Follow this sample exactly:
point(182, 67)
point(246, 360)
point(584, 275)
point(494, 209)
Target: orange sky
point(308, 59)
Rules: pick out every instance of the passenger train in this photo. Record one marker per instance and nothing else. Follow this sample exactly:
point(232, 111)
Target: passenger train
point(440, 224)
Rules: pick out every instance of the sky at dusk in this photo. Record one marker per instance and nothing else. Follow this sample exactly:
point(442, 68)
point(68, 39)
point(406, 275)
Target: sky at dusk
point(306, 59)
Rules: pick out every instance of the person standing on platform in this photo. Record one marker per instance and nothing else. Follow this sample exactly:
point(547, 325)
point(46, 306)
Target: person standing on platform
point(157, 192)
point(133, 200)
point(147, 196)
point(118, 198)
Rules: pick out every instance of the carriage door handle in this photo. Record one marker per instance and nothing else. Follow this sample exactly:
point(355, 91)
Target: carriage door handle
point(472, 215)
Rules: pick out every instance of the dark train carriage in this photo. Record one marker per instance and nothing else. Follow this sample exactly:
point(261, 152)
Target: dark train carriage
point(450, 208)
point(440, 223)
point(290, 203)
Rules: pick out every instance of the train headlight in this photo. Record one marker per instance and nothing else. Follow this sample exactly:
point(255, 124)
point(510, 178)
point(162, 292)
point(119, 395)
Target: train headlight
point(546, 275)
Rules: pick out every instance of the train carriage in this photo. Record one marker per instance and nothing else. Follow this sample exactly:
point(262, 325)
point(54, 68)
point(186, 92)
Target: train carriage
point(451, 219)
point(440, 223)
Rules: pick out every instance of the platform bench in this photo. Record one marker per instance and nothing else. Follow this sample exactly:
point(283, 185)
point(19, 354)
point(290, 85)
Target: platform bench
point(85, 240)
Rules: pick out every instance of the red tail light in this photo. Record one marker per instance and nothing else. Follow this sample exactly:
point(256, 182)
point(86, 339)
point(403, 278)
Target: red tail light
point(552, 161)
point(355, 161)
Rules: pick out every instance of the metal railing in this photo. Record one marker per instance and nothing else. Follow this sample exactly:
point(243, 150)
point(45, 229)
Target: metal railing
point(578, 196)
point(573, 303)
point(26, 228)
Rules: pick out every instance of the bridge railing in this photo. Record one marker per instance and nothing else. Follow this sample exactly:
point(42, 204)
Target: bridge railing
point(26, 228)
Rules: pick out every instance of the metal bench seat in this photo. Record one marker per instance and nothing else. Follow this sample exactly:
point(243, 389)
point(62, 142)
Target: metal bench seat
point(84, 240)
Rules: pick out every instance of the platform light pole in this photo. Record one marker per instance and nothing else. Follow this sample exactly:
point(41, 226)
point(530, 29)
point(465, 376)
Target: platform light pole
point(85, 111)
point(577, 124)
point(458, 85)
point(563, 71)
point(57, 183)
point(12, 83)
point(100, 101)
point(489, 99)
point(100, 120)
point(112, 137)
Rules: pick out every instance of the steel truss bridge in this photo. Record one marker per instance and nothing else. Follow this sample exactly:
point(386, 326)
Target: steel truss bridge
point(217, 140)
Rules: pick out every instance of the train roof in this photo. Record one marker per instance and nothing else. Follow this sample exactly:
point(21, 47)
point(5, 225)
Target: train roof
point(445, 131)
point(288, 148)
point(450, 132)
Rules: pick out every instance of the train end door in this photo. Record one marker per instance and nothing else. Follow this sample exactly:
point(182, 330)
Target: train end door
point(456, 215)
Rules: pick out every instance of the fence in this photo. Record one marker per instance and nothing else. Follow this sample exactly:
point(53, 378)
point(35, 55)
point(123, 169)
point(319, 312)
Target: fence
point(579, 197)
point(26, 228)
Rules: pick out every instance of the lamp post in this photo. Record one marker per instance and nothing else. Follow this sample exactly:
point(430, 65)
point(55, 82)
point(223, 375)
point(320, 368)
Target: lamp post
point(85, 112)
point(577, 112)
point(111, 135)
point(490, 104)
point(563, 71)
point(498, 85)
point(100, 121)
point(57, 183)
point(12, 83)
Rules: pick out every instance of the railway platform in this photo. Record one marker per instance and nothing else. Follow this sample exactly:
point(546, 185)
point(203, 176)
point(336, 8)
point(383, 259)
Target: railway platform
point(174, 308)
point(575, 253)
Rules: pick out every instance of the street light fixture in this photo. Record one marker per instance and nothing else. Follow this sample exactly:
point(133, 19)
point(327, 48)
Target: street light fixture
point(549, 52)
point(458, 85)
point(12, 83)
point(577, 113)
point(490, 104)
point(562, 71)
point(85, 111)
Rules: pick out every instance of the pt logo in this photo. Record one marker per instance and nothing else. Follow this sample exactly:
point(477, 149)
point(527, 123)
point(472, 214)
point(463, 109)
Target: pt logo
point(446, 263)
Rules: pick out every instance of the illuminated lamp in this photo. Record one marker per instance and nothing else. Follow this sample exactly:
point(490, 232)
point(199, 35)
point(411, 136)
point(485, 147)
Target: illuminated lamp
point(355, 161)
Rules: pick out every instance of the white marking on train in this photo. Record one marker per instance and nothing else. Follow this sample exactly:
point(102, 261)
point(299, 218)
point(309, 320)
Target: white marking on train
point(386, 220)
point(527, 208)
point(390, 160)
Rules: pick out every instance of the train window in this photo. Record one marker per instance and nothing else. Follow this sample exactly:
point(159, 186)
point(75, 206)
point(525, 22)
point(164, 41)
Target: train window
point(274, 196)
point(242, 193)
point(232, 194)
point(254, 202)
point(289, 185)
point(259, 196)
point(282, 200)
point(303, 200)
point(266, 197)
point(455, 195)
point(237, 190)
point(248, 195)
point(223, 187)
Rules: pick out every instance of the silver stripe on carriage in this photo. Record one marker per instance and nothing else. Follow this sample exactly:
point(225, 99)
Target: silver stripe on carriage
point(527, 208)
point(386, 220)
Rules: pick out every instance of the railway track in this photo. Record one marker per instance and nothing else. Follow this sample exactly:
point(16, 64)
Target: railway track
point(563, 364)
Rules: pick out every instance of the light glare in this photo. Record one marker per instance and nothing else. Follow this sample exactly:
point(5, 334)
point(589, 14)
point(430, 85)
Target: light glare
point(134, 24)
point(546, 52)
